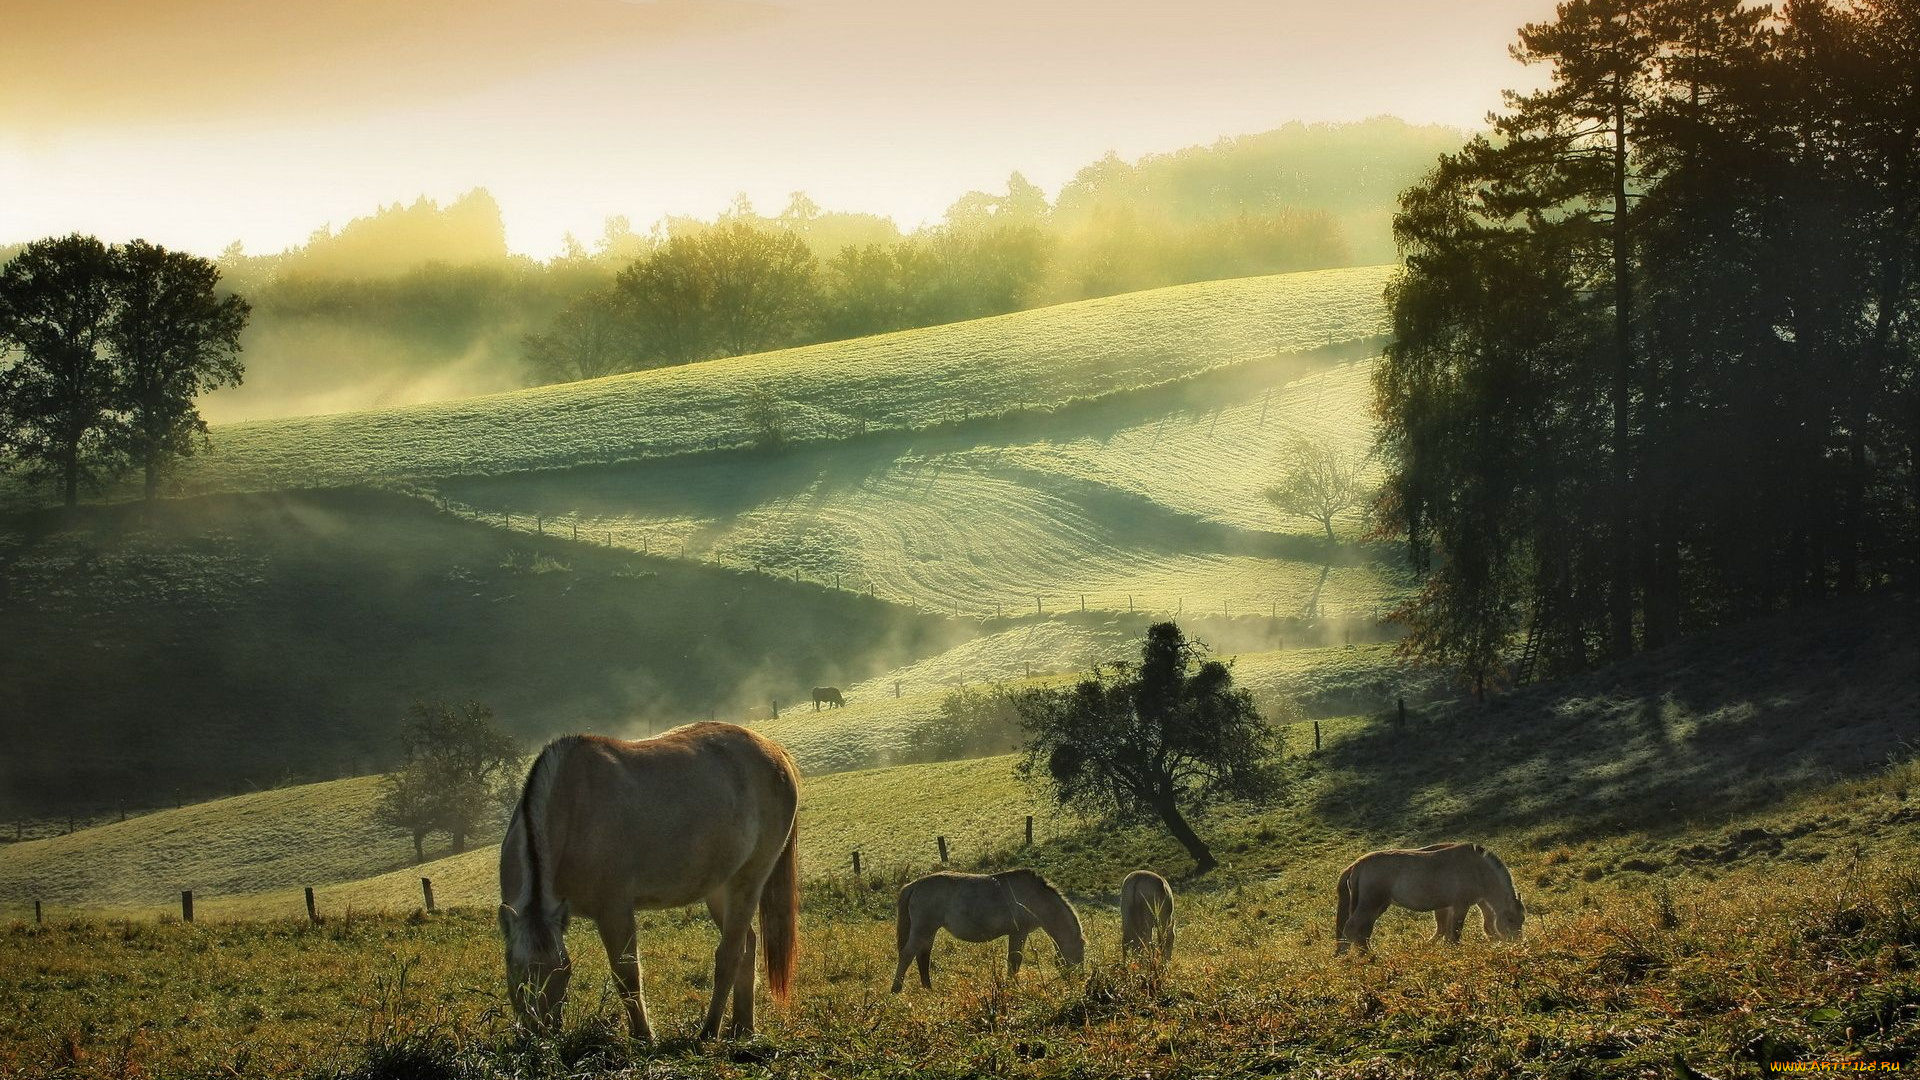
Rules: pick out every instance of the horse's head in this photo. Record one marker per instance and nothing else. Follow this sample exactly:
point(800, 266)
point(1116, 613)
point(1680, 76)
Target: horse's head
point(538, 968)
point(1509, 918)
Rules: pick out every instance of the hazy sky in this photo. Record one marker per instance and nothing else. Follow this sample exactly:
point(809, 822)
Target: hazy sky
point(198, 122)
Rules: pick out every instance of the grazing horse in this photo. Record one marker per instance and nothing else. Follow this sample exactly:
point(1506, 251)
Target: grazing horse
point(1445, 879)
point(981, 907)
point(829, 695)
point(1146, 915)
point(703, 812)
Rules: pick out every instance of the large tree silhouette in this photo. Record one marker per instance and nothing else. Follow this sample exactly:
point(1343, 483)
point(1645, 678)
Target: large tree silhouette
point(57, 385)
point(173, 338)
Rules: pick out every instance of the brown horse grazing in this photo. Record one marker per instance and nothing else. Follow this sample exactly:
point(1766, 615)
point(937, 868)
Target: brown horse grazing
point(981, 907)
point(1445, 879)
point(703, 812)
point(1146, 915)
point(828, 694)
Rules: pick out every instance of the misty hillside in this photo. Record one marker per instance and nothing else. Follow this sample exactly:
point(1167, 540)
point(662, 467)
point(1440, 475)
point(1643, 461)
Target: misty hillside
point(293, 630)
point(1028, 361)
point(1766, 745)
point(419, 302)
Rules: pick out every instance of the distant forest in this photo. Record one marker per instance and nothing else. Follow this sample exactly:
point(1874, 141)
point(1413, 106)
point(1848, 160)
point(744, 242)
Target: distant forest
point(424, 301)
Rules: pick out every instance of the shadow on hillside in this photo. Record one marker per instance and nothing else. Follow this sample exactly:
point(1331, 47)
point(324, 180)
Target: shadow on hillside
point(1705, 729)
point(719, 490)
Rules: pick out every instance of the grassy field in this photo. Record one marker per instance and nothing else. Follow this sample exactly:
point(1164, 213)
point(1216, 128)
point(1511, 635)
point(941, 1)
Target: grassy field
point(1113, 463)
point(1151, 503)
point(1714, 847)
point(291, 631)
point(250, 855)
point(1041, 359)
point(1760, 965)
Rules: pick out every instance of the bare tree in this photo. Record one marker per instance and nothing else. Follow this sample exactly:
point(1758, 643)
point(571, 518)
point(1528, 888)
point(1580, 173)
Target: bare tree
point(1319, 482)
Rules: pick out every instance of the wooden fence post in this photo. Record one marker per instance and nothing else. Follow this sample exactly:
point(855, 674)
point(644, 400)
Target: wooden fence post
point(896, 688)
point(941, 841)
point(540, 524)
point(313, 916)
point(1029, 830)
point(775, 706)
point(1036, 606)
point(186, 905)
point(1403, 711)
point(576, 530)
point(856, 864)
point(1316, 736)
point(1083, 603)
point(426, 890)
point(36, 913)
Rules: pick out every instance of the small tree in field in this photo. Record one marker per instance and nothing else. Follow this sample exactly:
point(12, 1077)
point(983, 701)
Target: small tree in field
point(1157, 742)
point(459, 770)
point(765, 417)
point(1318, 482)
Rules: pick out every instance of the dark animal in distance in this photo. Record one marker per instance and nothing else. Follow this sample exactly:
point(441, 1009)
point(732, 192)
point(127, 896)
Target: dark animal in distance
point(829, 695)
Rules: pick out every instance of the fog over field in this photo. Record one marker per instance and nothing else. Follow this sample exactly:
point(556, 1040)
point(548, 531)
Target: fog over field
point(778, 539)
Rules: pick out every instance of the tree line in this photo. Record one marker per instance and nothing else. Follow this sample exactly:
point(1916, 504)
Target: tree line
point(103, 350)
point(746, 284)
point(1654, 364)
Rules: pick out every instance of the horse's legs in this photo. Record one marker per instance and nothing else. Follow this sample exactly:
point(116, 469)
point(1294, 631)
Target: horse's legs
point(1444, 924)
point(1360, 924)
point(622, 945)
point(1016, 944)
point(1458, 922)
point(743, 979)
point(916, 947)
point(734, 913)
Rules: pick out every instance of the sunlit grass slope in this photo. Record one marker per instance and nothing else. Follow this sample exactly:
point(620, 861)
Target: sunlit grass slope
point(1770, 741)
point(250, 856)
point(1039, 359)
point(1762, 964)
point(1714, 841)
point(1150, 504)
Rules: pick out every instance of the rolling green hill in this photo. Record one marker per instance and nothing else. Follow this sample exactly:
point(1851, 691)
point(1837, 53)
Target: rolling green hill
point(233, 642)
point(1786, 740)
point(1113, 460)
point(1031, 360)
point(1148, 503)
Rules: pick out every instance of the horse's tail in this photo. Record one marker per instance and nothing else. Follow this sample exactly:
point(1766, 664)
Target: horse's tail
point(901, 918)
point(1345, 909)
point(780, 918)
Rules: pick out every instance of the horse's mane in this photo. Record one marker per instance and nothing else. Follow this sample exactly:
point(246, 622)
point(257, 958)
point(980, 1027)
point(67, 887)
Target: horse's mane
point(534, 796)
point(1027, 875)
point(1494, 861)
point(1034, 877)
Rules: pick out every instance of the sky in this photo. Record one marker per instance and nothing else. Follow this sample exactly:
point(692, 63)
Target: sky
point(194, 123)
